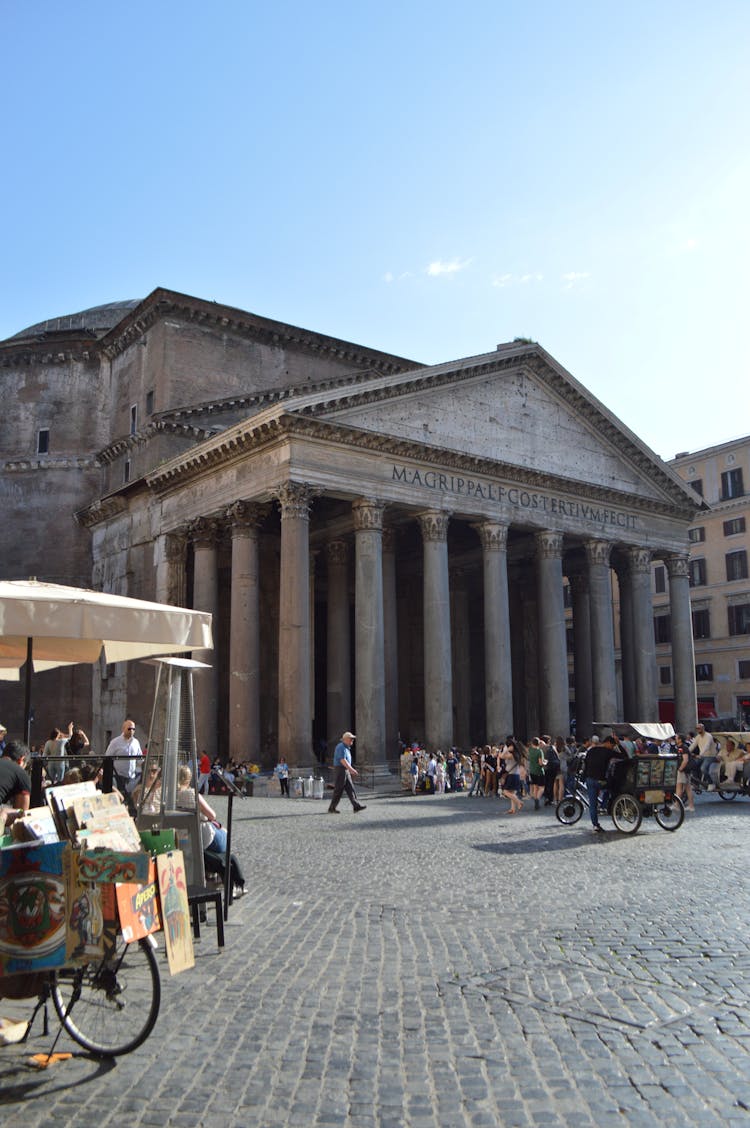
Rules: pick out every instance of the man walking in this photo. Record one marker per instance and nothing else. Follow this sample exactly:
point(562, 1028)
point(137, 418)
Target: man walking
point(343, 770)
point(126, 750)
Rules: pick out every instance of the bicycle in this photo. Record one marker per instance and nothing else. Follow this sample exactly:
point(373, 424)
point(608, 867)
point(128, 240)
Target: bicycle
point(636, 789)
point(108, 1006)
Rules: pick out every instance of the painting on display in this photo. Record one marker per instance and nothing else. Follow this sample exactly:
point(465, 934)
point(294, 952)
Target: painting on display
point(175, 910)
point(90, 912)
point(138, 906)
point(32, 907)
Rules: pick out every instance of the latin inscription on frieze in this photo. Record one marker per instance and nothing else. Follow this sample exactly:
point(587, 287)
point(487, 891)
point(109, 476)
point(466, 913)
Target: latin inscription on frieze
point(515, 496)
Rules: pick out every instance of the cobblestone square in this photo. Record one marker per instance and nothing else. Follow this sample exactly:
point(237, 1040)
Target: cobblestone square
point(434, 961)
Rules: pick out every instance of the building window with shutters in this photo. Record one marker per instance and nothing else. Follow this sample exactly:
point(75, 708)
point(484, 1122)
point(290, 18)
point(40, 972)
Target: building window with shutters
point(736, 565)
point(701, 623)
point(739, 618)
point(697, 572)
point(731, 484)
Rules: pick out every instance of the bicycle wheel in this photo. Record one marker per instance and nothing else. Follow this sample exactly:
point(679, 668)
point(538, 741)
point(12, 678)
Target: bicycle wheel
point(670, 814)
point(569, 810)
point(110, 1007)
point(626, 813)
point(727, 795)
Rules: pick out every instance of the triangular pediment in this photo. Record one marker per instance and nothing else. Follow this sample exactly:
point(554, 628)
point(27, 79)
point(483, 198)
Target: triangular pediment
point(512, 409)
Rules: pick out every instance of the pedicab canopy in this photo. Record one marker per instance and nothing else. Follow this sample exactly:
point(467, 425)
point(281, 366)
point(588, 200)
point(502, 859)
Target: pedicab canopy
point(656, 732)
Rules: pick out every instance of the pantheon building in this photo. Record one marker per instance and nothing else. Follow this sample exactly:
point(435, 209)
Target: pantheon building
point(385, 546)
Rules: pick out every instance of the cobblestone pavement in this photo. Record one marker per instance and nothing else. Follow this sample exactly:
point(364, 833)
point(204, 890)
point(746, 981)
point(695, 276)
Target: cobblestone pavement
point(432, 961)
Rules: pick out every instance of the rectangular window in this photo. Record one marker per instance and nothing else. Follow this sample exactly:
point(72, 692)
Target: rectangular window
point(731, 484)
point(662, 628)
point(134, 419)
point(737, 565)
point(660, 579)
point(42, 441)
point(739, 619)
point(149, 403)
point(743, 669)
point(736, 525)
point(697, 536)
point(701, 623)
point(665, 675)
point(697, 572)
point(126, 472)
point(704, 672)
point(569, 639)
point(697, 485)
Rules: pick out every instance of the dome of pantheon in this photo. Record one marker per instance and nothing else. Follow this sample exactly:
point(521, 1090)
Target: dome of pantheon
point(95, 321)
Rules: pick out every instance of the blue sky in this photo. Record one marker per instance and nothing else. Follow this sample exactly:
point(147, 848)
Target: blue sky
point(425, 178)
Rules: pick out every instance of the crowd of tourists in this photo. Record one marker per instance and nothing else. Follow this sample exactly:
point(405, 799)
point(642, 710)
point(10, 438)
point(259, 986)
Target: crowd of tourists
point(544, 770)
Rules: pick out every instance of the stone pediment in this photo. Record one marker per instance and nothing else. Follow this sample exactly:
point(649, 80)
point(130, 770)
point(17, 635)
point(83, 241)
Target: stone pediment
point(512, 407)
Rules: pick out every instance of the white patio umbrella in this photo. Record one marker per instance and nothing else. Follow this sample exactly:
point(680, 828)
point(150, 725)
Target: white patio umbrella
point(48, 625)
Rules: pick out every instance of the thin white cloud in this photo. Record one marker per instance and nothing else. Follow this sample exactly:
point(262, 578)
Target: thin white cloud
point(389, 276)
point(573, 277)
point(503, 280)
point(435, 269)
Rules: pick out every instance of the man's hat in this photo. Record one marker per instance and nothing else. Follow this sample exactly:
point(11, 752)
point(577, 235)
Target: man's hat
point(350, 735)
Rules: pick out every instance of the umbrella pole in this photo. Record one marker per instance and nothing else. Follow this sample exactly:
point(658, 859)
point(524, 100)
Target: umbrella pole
point(27, 695)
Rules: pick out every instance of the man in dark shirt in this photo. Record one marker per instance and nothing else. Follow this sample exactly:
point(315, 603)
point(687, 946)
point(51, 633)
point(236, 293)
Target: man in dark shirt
point(15, 785)
point(597, 761)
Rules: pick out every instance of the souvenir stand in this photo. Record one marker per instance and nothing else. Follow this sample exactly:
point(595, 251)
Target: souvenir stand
point(171, 745)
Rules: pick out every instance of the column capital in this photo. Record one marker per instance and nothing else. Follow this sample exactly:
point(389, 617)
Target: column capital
point(434, 524)
point(295, 499)
point(598, 551)
point(549, 544)
point(677, 565)
point(368, 514)
point(245, 517)
point(492, 534)
point(639, 560)
point(204, 531)
point(337, 552)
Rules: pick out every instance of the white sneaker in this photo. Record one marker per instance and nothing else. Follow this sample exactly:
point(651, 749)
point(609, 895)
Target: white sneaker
point(711, 787)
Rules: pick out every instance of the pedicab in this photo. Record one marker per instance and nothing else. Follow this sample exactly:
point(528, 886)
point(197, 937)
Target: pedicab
point(638, 787)
point(726, 788)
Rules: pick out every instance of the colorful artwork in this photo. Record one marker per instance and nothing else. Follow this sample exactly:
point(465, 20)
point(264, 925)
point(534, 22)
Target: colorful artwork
point(175, 910)
point(139, 907)
point(32, 907)
point(110, 867)
point(84, 918)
